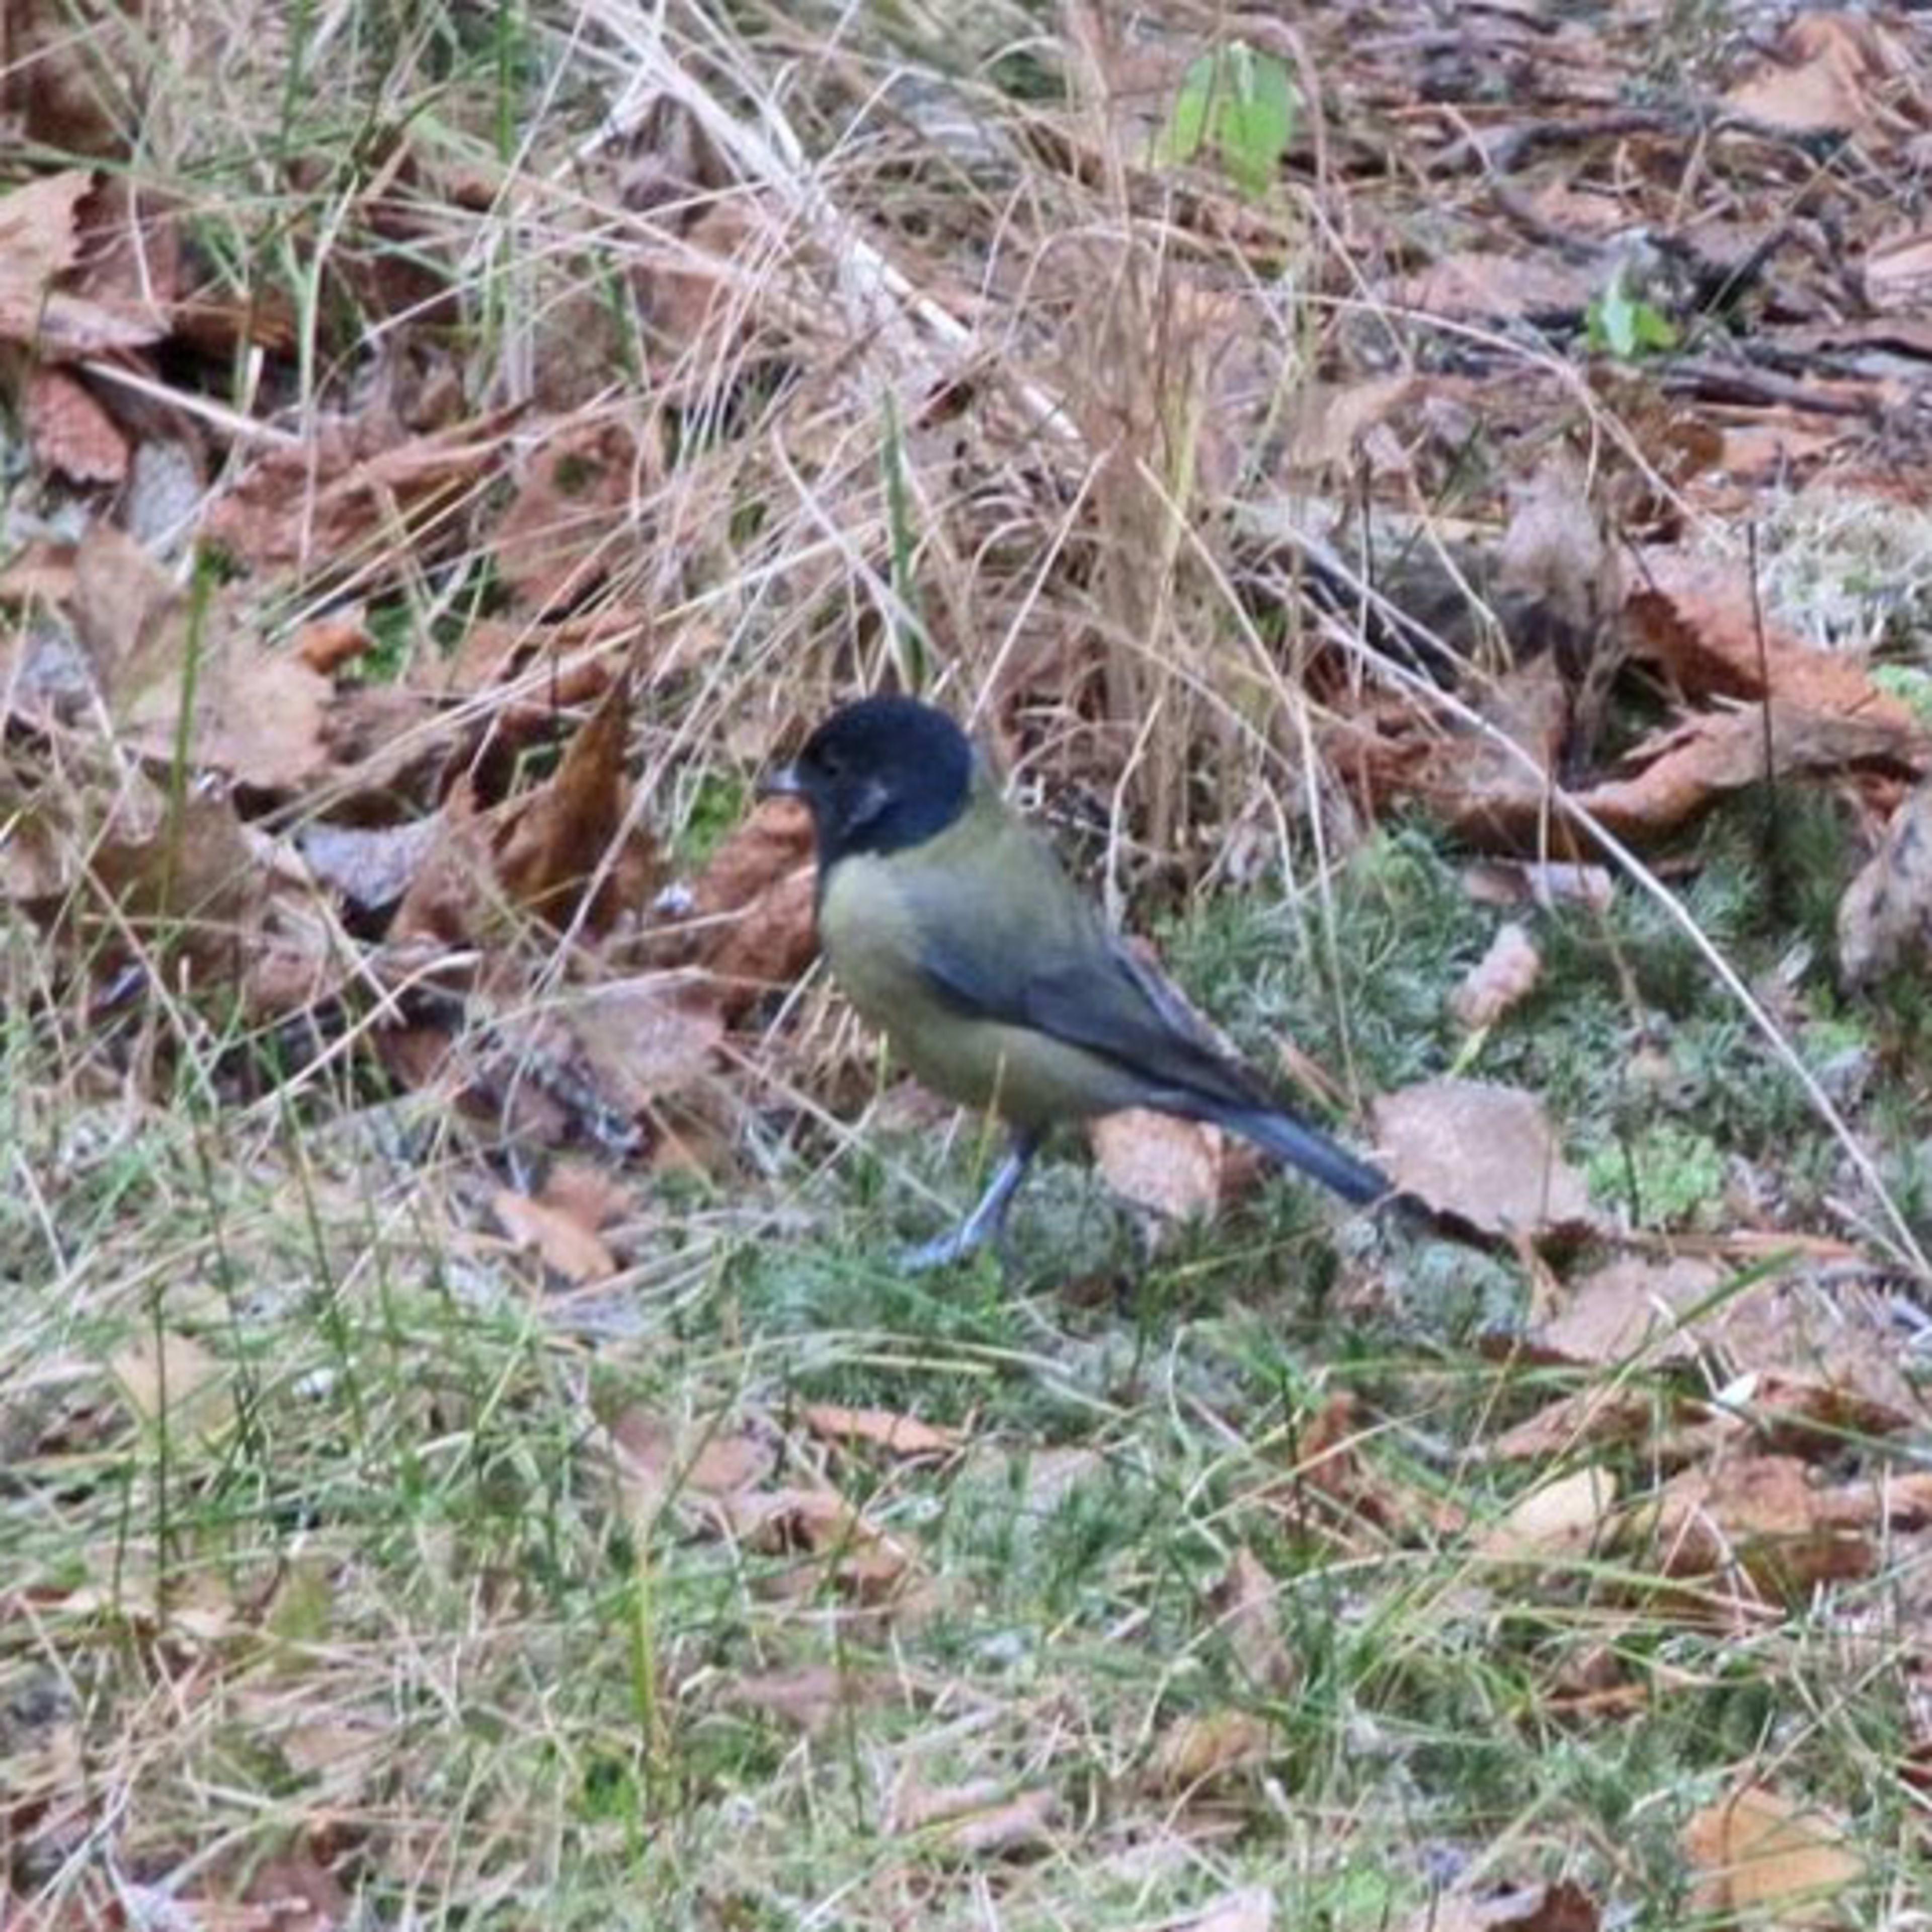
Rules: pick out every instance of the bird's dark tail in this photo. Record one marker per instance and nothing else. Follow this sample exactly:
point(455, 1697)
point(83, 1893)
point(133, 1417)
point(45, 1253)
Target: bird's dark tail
point(1306, 1147)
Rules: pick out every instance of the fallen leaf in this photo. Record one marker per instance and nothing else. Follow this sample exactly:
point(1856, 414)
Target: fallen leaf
point(578, 497)
point(1602, 1413)
point(1561, 1519)
point(295, 1891)
point(869, 1566)
point(1885, 918)
point(698, 1465)
point(1560, 1907)
point(1697, 619)
point(40, 242)
point(644, 1038)
point(452, 899)
point(1516, 882)
point(1328, 424)
point(589, 1192)
point(258, 716)
point(1762, 1516)
point(326, 644)
point(1898, 273)
point(1335, 1490)
point(977, 1819)
point(1832, 74)
point(1684, 772)
point(1504, 977)
point(1629, 1308)
point(1245, 1602)
point(172, 1383)
point(1556, 558)
point(371, 866)
point(751, 923)
point(1486, 1154)
point(335, 502)
point(1200, 1751)
point(884, 1428)
point(577, 1252)
point(809, 1698)
point(552, 844)
point(70, 431)
point(1480, 284)
point(1249, 1910)
point(1174, 1168)
point(1758, 1851)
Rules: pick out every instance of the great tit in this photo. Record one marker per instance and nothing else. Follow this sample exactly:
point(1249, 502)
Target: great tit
point(949, 924)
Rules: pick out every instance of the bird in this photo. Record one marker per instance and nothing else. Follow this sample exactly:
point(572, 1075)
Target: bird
point(948, 924)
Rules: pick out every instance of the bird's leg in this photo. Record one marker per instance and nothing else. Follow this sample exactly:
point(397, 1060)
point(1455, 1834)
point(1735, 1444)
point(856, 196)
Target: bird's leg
point(988, 1216)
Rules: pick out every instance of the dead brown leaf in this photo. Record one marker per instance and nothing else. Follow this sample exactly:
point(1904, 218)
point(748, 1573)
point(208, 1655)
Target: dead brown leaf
point(293, 1891)
point(371, 866)
point(1332, 426)
point(40, 242)
point(868, 1566)
point(451, 899)
point(1758, 1851)
point(1685, 772)
point(1762, 1516)
point(1602, 1413)
point(326, 644)
point(551, 845)
point(808, 1698)
point(641, 1039)
point(70, 431)
point(572, 660)
point(1174, 1168)
point(333, 502)
point(1335, 1490)
point(978, 1819)
point(1833, 73)
point(699, 1465)
point(884, 1428)
point(1504, 977)
point(1197, 1753)
point(561, 535)
point(575, 1251)
point(1507, 882)
point(1244, 1603)
point(591, 1195)
point(171, 1381)
point(1898, 273)
point(1629, 1306)
point(1251, 1909)
point(1560, 1907)
point(1486, 1154)
point(1698, 620)
point(1885, 918)
point(1560, 1519)
point(1477, 283)
point(259, 715)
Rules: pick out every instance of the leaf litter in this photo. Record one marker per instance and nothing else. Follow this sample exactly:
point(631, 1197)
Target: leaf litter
point(464, 862)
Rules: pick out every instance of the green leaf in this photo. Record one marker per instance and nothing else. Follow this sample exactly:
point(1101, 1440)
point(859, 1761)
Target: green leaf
point(1242, 104)
point(1186, 129)
point(1625, 324)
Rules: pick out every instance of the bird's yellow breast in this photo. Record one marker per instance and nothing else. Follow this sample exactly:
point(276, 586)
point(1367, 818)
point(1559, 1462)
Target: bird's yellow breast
point(876, 930)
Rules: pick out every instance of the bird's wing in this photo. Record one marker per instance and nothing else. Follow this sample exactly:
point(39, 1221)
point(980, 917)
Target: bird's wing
point(1052, 965)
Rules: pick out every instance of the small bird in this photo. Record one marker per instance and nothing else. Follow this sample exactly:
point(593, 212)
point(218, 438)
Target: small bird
point(949, 924)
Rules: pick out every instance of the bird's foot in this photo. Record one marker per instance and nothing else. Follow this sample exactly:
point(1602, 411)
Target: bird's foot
point(988, 1220)
point(941, 1252)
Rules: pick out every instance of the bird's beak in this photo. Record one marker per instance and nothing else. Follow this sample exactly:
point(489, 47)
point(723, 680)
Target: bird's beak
point(781, 781)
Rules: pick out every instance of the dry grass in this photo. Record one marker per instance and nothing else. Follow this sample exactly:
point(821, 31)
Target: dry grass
point(343, 1559)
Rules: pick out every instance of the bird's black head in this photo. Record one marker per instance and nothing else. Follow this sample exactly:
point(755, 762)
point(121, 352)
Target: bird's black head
point(880, 775)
